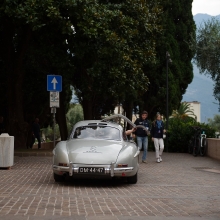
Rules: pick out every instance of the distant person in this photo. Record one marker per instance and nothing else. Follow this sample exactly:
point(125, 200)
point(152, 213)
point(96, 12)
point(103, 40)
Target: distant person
point(157, 132)
point(142, 135)
point(2, 125)
point(36, 133)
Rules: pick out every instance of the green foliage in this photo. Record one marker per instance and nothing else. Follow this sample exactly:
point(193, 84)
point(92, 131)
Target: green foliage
point(49, 134)
point(107, 50)
point(183, 112)
point(113, 42)
point(180, 132)
point(178, 30)
point(74, 115)
point(215, 122)
point(32, 41)
point(207, 48)
point(150, 144)
point(179, 135)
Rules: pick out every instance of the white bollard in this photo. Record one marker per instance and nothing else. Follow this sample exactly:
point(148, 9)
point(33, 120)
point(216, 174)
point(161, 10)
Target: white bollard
point(6, 150)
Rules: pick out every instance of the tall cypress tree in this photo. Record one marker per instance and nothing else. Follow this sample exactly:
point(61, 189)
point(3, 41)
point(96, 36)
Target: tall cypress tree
point(178, 30)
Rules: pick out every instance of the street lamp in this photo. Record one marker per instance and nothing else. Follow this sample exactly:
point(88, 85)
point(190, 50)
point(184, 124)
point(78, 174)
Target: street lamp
point(168, 60)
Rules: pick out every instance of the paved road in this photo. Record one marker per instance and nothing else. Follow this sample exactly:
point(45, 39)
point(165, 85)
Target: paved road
point(181, 187)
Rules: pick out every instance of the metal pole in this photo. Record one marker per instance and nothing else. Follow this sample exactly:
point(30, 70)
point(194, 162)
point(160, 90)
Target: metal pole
point(54, 129)
point(53, 110)
point(168, 60)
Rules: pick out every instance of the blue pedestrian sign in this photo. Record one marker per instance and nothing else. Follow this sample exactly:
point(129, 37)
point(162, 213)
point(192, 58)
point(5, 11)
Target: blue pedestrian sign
point(54, 83)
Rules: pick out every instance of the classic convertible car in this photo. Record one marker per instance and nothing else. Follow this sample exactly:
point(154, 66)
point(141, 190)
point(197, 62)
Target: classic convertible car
point(96, 148)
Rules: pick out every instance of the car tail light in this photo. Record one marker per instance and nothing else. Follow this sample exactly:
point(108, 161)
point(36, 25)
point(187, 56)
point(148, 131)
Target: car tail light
point(63, 164)
point(122, 165)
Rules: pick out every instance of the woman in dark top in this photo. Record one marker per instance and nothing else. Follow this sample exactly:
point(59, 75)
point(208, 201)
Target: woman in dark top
point(157, 132)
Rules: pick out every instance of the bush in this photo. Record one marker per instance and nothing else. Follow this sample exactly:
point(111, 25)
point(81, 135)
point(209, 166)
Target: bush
point(181, 131)
point(74, 115)
point(150, 144)
point(48, 133)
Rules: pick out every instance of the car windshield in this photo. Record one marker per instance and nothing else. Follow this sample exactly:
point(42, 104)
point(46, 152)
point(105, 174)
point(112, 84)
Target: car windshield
point(97, 132)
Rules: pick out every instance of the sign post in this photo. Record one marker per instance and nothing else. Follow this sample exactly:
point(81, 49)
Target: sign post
point(54, 86)
point(53, 110)
point(54, 83)
point(54, 99)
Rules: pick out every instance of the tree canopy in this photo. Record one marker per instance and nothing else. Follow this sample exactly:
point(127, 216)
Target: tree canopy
point(113, 41)
point(32, 38)
point(183, 112)
point(207, 47)
point(109, 51)
point(215, 122)
point(178, 30)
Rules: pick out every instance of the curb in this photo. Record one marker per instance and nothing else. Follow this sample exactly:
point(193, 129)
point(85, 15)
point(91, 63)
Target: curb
point(33, 154)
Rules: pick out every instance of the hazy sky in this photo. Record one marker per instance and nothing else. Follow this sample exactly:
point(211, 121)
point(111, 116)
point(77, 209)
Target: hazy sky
point(211, 7)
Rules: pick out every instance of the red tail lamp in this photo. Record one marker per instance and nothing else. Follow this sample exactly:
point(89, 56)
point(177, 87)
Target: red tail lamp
point(122, 165)
point(63, 164)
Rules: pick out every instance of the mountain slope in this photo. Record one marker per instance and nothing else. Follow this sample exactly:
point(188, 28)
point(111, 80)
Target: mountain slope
point(201, 88)
point(200, 18)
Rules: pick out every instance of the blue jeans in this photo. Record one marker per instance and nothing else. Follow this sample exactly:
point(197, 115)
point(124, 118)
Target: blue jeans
point(144, 141)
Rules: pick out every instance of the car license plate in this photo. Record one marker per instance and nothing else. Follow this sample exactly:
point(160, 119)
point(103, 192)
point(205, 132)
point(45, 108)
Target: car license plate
point(92, 170)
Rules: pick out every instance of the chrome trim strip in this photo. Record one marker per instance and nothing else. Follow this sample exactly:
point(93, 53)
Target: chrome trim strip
point(71, 169)
point(126, 119)
point(124, 169)
point(121, 170)
point(111, 170)
point(75, 169)
point(137, 153)
point(60, 168)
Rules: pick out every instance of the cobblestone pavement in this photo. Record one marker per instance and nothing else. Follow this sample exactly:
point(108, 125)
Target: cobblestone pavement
point(180, 187)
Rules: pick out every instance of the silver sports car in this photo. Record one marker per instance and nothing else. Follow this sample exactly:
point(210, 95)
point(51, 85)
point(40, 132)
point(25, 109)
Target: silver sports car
point(96, 148)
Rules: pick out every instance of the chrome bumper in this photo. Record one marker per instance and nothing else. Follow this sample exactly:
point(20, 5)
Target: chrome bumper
point(109, 170)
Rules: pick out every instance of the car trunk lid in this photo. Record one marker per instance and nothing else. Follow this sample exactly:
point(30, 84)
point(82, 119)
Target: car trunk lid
point(93, 151)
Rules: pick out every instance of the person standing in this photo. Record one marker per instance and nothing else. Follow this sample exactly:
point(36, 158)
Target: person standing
point(36, 133)
point(141, 134)
point(157, 132)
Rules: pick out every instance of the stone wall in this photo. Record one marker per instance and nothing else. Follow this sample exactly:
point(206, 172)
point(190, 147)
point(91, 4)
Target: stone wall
point(213, 148)
point(46, 145)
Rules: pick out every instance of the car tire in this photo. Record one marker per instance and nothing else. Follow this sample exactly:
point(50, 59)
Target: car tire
point(58, 178)
point(132, 179)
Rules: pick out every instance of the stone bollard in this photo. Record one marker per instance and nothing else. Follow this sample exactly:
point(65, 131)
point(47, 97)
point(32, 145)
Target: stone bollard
point(6, 150)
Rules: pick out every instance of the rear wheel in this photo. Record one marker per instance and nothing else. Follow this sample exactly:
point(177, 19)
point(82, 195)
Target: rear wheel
point(203, 147)
point(132, 179)
point(58, 178)
point(196, 147)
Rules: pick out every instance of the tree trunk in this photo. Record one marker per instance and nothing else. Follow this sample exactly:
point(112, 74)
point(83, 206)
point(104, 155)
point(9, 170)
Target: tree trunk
point(61, 118)
point(87, 108)
point(14, 69)
point(128, 107)
point(130, 110)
